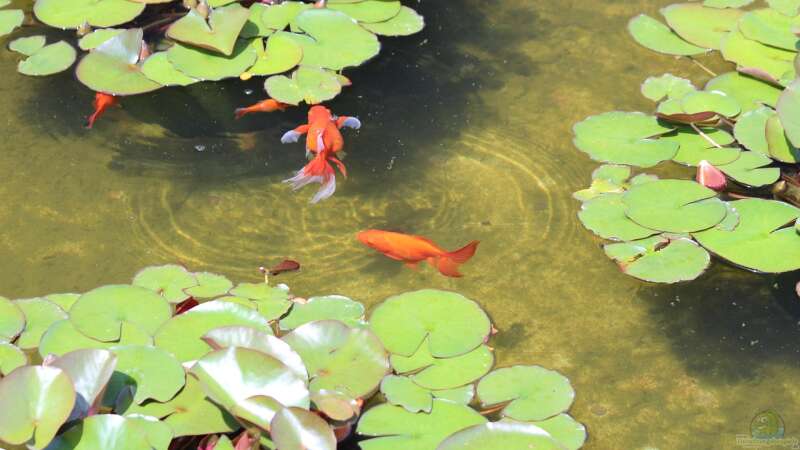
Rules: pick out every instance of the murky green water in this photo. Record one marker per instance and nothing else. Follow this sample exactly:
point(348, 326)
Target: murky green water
point(466, 136)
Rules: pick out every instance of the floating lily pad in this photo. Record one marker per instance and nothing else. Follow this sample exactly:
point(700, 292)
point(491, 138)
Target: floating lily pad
point(206, 65)
point(65, 301)
point(272, 302)
point(336, 405)
point(401, 391)
point(300, 429)
point(97, 37)
point(158, 434)
point(309, 84)
point(281, 54)
point(761, 61)
point(462, 395)
point(168, 281)
point(334, 41)
point(369, 11)
point(608, 178)
point(266, 19)
point(331, 307)
point(702, 101)
point(158, 68)
point(695, 148)
point(787, 7)
point(533, 392)
point(778, 143)
point(444, 373)
point(254, 27)
point(660, 260)
point(238, 336)
point(676, 206)
point(182, 334)
point(750, 129)
point(762, 241)
point(112, 66)
point(570, 433)
point(209, 285)
point(100, 312)
point(452, 323)
point(405, 23)
point(106, 431)
point(770, 27)
point(505, 435)
point(39, 315)
point(340, 358)
point(750, 93)
point(34, 402)
point(51, 59)
point(624, 138)
point(702, 26)
point(789, 112)
point(656, 36)
point(62, 337)
point(666, 86)
point(392, 427)
point(27, 45)
point(605, 216)
point(150, 371)
point(89, 370)
point(726, 3)
point(97, 13)
point(218, 33)
point(10, 19)
point(11, 357)
point(749, 169)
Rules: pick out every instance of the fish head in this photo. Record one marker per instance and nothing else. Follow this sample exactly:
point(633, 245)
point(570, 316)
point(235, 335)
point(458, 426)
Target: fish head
point(319, 113)
point(369, 238)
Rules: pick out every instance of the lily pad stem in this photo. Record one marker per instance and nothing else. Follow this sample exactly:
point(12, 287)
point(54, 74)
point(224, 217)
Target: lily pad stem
point(705, 136)
point(699, 64)
point(493, 409)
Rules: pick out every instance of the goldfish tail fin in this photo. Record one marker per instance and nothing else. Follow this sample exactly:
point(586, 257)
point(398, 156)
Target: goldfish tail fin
point(448, 267)
point(316, 171)
point(240, 112)
point(326, 190)
point(90, 121)
point(463, 254)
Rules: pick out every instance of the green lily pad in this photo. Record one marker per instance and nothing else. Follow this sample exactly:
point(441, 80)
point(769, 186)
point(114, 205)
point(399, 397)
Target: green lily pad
point(250, 384)
point(101, 312)
point(89, 370)
point(10, 19)
point(405, 23)
point(392, 427)
point(750, 170)
point(158, 434)
point(605, 216)
point(106, 431)
point(340, 358)
point(182, 334)
point(254, 27)
point(778, 143)
point(331, 307)
point(209, 285)
point(676, 206)
point(652, 34)
point(65, 301)
point(695, 148)
point(762, 241)
point(726, 3)
point(787, 7)
point(310, 84)
point(703, 101)
point(27, 45)
point(462, 395)
point(151, 371)
point(246, 302)
point(750, 129)
point(608, 178)
point(666, 86)
point(702, 26)
point(271, 302)
point(401, 391)
point(660, 260)
point(51, 59)
point(770, 27)
point(281, 54)
point(505, 435)
point(337, 405)
point(238, 336)
point(444, 373)
point(533, 392)
point(97, 37)
point(39, 315)
point(11, 357)
point(624, 138)
point(570, 433)
point(97, 13)
point(34, 402)
point(300, 429)
point(788, 109)
point(750, 93)
point(771, 64)
point(369, 11)
point(206, 65)
point(218, 33)
point(168, 281)
point(334, 41)
point(452, 323)
point(112, 66)
point(266, 19)
point(158, 68)
point(63, 337)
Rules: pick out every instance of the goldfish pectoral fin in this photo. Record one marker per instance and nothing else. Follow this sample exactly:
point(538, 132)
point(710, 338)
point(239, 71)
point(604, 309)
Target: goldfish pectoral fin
point(412, 265)
point(290, 137)
point(352, 122)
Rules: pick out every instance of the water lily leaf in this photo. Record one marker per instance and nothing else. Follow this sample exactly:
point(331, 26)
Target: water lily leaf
point(27, 45)
point(97, 13)
point(452, 323)
point(762, 241)
point(369, 11)
point(182, 334)
point(254, 27)
point(660, 260)
point(405, 23)
point(534, 393)
point(778, 143)
point(246, 302)
point(309, 84)
point(605, 216)
point(209, 285)
point(89, 370)
point(151, 371)
point(703, 101)
point(676, 206)
point(570, 433)
point(65, 301)
point(340, 358)
point(505, 435)
point(700, 25)
point(266, 19)
point(300, 429)
point(158, 434)
point(217, 34)
point(34, 402)
point(750, 129)
point(392, 427)
point(97, 37)
point(62, 337)
point(787, 7)
point(444, 373)
point(101, 312)
point(11, 357)
point(608, 178)
point(331, 307)
point(770, 64)
point(51, 59)
point(272, 302)
point(750, 170)
point(749, 92)
point(666, 86)
point(250, 384)
point(788, 110)
point(770, 27)
point(209, 66)
point(336, 405)
point(106, 431)
point(281, 54)
point(652, 34)
point(39, 315)
point(112, 68)
point(4, 3)
point(158, 68)
point(168, 281)
point(10, 19)
point(462, 395)
point(695, 148)
point(334, 40)
point(624, 138)
point(726, 3)
point(238, 336)
point(401, 391)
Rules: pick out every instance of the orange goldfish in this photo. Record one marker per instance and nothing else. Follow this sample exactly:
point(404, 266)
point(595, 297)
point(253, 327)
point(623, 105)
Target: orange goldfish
point(411, 250)
point(267, 105)
point(102, 102)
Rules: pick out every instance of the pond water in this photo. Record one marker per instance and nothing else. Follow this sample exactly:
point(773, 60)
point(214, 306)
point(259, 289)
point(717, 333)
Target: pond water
point(466, 136)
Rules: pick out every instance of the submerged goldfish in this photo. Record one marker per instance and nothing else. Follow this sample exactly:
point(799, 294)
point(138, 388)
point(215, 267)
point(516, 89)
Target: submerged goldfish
point(267, 105)
point(411, 250)
point(102, 102)
point(323, 141)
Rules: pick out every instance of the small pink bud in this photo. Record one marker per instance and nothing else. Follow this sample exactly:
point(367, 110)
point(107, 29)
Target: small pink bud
point(710, 177)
